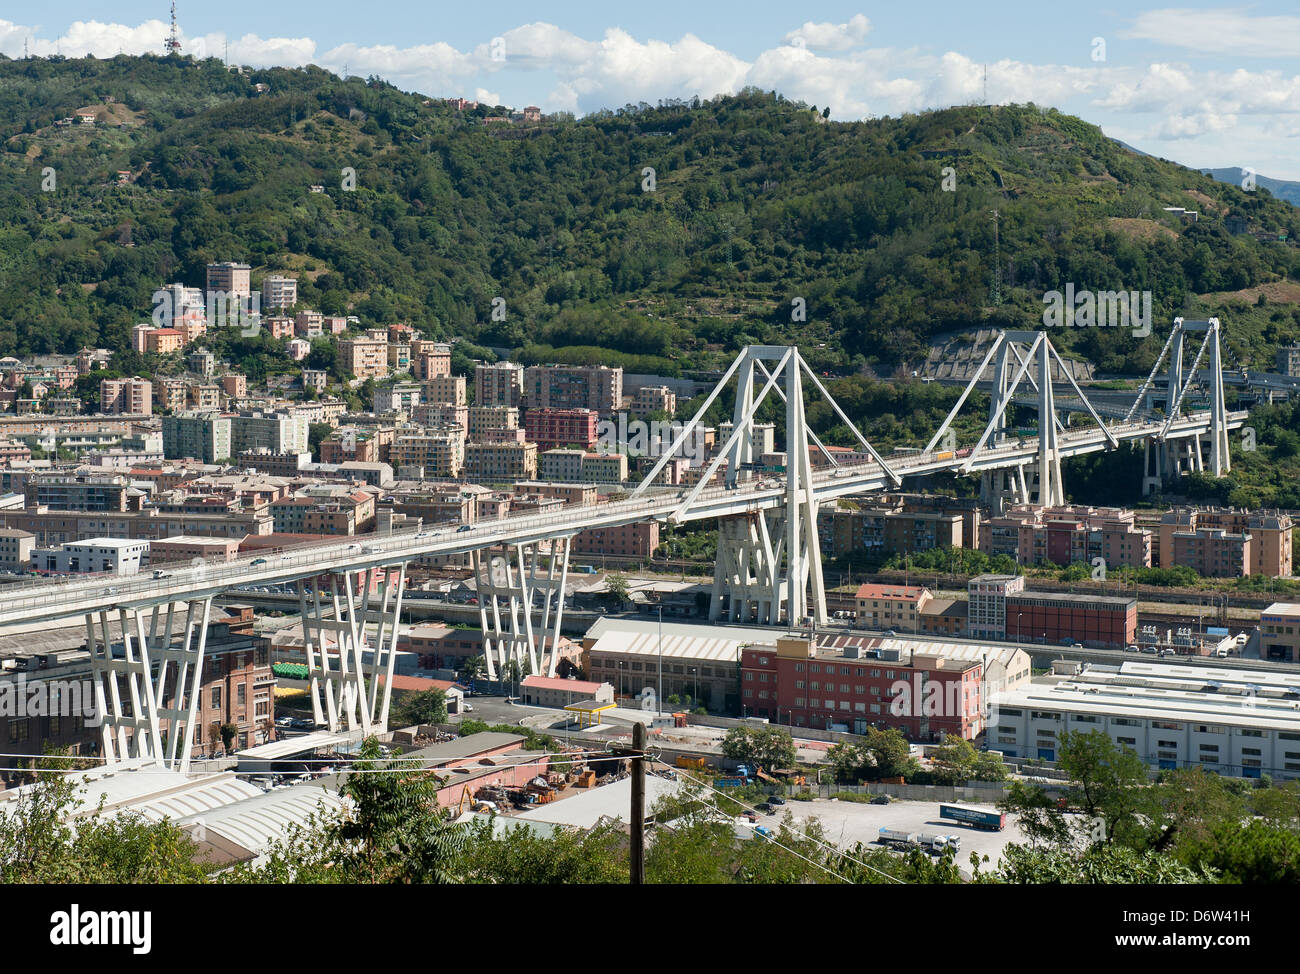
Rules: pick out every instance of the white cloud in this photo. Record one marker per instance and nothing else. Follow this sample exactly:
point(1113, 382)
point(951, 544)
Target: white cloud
point(830, 37)
point(1223, 33)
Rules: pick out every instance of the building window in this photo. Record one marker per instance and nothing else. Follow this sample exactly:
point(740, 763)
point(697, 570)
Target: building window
point(216, 697)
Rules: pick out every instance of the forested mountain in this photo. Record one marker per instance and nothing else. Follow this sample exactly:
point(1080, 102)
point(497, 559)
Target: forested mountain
point(756, 201)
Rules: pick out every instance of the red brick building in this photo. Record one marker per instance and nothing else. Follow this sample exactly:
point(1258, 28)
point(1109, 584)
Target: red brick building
point(639, 540)
point(1062, 617)
point(553, 428)
point(923, 695)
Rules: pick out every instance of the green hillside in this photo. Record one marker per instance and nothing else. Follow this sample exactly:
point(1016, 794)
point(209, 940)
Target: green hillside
point(757, 201)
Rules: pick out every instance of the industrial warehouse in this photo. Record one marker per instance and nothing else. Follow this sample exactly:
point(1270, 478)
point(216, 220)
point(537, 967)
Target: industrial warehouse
point(1234, 721)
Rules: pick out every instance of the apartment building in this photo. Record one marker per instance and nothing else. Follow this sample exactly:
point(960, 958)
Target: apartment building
point(1288, 360)
point(1270, 548)
point(16, 549)
point(202, 436)
point(501, 462)
point(572, 494)
point(498, 384)
point(53, 527)
point(481, 418)
point(891, 606)
point(201, 361)
point(279, 292)
point(234, 385)
point(604, 468)
point(230, 278)
point(440, 414)
point(429, 360)
point(594, 387)
point(887, 531)
point(561, 465)
point(368, 445)
point(132, 397)
point(82, 492)
point(285, 432)
point(438, 451)
point(551, 428)
point(639, 540)
point(654, 399)
point(445, 388)
point(279, 326)
point(1066, 534)
point(364, 358)
point(402, 397)
point(988, 596)
point(203, 395)
point(1214, 553)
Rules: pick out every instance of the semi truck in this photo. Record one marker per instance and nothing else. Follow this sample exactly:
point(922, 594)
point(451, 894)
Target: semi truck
point(938, 844)
point(898, 839)
point(981, 818)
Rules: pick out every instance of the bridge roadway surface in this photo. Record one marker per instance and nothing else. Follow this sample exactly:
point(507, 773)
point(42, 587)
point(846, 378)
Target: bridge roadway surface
point(65, 597)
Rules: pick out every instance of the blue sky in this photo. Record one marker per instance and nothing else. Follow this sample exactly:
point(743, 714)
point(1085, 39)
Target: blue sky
point(1204, 84)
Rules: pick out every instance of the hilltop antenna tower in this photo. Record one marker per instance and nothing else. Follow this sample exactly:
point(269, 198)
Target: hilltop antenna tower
point(986, 78)
point(173, 43)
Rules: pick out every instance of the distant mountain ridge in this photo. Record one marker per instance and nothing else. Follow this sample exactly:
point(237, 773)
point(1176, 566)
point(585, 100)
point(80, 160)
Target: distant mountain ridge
point(1283, 189)
point(659, 238)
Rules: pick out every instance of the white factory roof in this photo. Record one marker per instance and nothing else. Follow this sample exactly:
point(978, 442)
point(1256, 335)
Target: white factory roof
point(264, 818)
point(154, 790)
point(1168, 691)
point(965, 651)
point(681, 640)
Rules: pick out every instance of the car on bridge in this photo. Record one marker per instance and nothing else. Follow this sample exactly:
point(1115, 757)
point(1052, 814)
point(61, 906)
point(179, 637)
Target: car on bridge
point(465, 527)
point(256, 562)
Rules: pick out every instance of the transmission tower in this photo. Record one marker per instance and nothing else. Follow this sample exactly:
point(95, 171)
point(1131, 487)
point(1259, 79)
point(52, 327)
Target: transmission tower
point(172, 45)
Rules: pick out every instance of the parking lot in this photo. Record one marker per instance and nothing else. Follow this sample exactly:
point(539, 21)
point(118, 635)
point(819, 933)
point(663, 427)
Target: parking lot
point(849, 822)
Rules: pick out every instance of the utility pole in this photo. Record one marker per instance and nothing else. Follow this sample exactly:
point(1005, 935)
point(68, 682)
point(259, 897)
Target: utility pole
point(637, 852)
point(659, 694)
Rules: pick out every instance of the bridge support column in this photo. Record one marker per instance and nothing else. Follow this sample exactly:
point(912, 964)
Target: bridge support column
point(517, 587)
point(180, 707)
point(756, 576)
point(1002, 486)
point(747, 569)
point(129, 729)
point(1154, 460)
point(342, 681)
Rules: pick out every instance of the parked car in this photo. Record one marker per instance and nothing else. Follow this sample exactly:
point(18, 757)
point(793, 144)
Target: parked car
point(890, 632)
point(880, 800)
point(1222, 652)
point(1077, 646)
point(765, 808)
point(1149, 650)
point(776, 799)
point(1134, 649)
